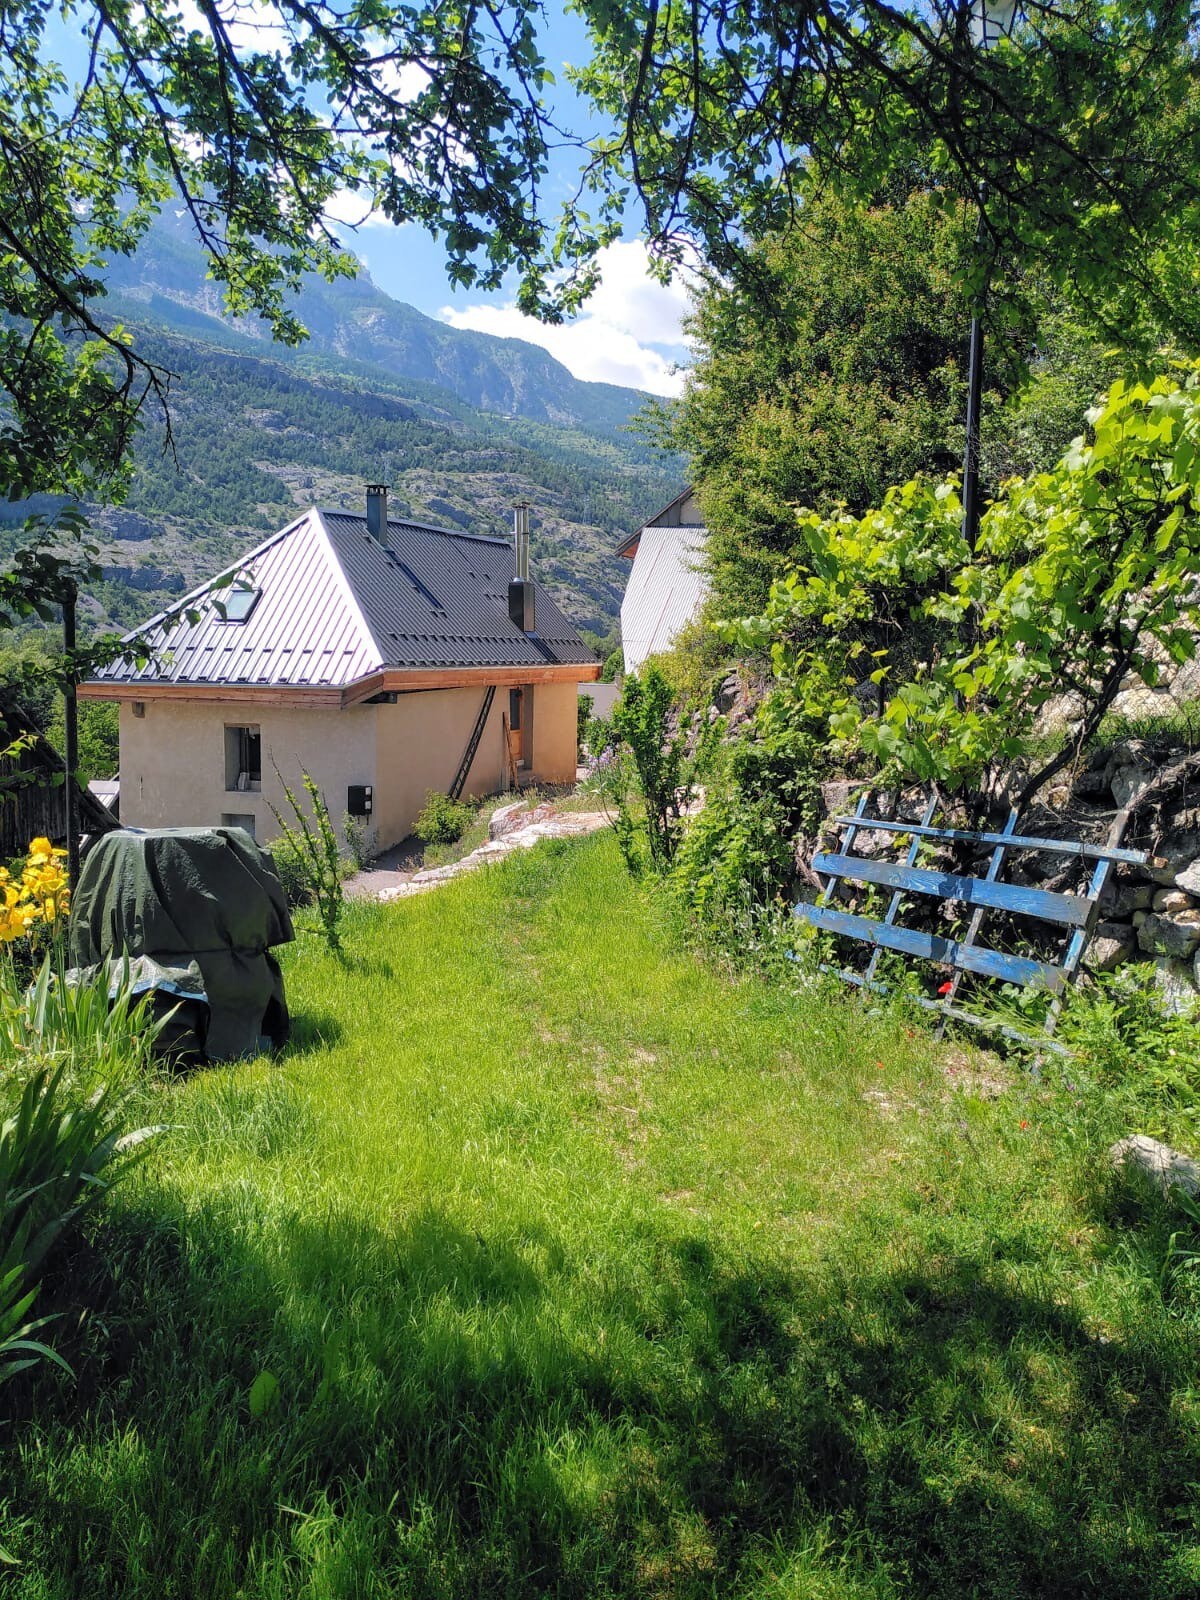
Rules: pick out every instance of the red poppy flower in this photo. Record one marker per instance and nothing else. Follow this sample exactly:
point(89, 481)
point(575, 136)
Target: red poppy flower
point(946, 987)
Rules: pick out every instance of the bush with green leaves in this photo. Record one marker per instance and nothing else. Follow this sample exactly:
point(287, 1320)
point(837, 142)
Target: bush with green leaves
point(920, 659)
point(312, 843)
point(736, 861)
point(442, 820)
point(293, 872)
point(60, 1153)
point(360, 841)
point(651, 770)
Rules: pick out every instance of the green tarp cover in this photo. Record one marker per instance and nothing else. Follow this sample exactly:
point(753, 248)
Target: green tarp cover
point(208, 896)
point(179, 1004)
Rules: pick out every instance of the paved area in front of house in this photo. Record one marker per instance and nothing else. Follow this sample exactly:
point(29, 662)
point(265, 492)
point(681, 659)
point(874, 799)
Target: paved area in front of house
point(387, 871)
point(512, 828)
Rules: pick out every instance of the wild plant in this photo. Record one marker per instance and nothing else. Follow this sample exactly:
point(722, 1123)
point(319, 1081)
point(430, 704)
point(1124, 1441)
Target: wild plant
point(58, 1157)
point(360, 841)
point(96, 1027)
point(314, 843)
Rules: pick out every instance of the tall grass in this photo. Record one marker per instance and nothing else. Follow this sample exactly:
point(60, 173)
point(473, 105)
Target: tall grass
point(552, 1262)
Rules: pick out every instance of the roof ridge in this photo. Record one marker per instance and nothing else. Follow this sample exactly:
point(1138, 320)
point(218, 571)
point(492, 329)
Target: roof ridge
point(425, 527)
point(348, 590)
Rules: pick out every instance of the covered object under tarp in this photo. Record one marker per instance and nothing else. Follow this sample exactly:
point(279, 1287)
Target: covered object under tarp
point(181, 895)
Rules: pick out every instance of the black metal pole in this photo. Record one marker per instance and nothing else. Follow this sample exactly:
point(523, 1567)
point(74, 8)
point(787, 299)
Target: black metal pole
point(971, 453)
point(970, 494)
point(71, 722)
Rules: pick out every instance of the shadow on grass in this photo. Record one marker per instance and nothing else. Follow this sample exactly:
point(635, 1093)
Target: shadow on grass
point(462, 1415)
point(369, 966)
point(312, 1031)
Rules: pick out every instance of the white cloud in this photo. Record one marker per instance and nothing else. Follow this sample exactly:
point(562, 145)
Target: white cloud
point(630, 332)
point(355, 209)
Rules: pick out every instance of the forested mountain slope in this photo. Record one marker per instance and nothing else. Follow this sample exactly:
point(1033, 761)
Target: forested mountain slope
point(353, 320)
point(459, 425)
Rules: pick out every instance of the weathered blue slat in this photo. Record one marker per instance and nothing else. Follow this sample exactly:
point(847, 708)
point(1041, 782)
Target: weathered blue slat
point(892, 913)
point(955, 1013)
point(1071, 909)
point(1015, 841)
point(932, 947)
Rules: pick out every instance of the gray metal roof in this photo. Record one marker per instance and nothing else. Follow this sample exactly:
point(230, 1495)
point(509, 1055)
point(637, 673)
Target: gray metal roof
point(337, 605)
point(666, 589)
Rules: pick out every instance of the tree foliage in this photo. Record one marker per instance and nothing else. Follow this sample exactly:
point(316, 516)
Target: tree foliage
point(714, 123)
point(1081, 127)
point(645, 765)
point(254, 118)
point(926, 661)
point(850, 378)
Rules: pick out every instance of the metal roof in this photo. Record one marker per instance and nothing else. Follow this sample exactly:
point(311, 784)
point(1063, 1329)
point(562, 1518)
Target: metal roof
point(665, 590)
point(337, 604)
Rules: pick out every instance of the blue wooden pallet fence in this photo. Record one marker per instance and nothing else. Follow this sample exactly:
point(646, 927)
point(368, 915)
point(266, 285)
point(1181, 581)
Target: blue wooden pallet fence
point(1075, 913)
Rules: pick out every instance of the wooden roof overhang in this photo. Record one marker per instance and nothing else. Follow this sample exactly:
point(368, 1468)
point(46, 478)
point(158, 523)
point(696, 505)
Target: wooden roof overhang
point(389, 680)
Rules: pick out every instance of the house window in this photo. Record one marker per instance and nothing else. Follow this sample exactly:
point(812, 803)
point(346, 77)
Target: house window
point(243, 759)
point(236, 604)
point(238, 819)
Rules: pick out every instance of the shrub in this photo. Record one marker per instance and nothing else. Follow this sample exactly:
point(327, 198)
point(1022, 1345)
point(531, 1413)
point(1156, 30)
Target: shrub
point(314, 845)
point(931, 662)
point(614, 666)
point(442, 820)
point(360, 841)
point(583, 717)
point(289, 864)
point(58, 1158)
point(652, 775)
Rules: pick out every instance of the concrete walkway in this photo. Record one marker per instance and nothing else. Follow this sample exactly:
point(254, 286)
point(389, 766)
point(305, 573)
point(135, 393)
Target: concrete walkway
point(388, 870)
point(512, 828)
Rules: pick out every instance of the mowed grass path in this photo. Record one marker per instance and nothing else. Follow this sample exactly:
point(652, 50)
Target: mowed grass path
point(579, 1269)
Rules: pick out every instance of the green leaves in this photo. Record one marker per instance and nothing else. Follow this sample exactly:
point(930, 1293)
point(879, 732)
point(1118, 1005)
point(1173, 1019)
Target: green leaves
point(263, 1396)
point(1080, 578)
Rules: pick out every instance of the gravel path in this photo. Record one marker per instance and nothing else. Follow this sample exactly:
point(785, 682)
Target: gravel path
point(514, 827)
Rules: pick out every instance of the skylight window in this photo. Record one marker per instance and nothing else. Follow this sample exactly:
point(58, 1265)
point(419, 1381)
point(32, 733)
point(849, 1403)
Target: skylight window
point(236, 604)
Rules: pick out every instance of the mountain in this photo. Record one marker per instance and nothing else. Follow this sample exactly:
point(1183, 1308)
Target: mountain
point(353, 320)
point(459, 425)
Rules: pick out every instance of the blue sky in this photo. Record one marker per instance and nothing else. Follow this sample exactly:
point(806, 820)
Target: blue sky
point(630, 331)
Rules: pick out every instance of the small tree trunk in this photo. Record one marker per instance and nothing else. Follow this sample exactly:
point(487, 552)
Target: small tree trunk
point(71, 742)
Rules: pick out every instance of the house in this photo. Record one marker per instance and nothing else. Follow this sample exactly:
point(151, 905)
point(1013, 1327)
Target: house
point(384, 657)
point(666, 588)
point(33, 791)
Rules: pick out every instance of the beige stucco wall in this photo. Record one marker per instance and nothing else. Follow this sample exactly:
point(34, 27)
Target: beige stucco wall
point(173, 758)
point(421, 740)
point(173, 761)
point(555, 732)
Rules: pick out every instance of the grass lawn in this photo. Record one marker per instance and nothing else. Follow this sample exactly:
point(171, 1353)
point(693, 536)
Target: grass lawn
point(551, 1261)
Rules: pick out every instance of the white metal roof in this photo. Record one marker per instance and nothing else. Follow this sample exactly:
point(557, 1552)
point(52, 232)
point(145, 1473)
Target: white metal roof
point(336, 604)
point(665, 590)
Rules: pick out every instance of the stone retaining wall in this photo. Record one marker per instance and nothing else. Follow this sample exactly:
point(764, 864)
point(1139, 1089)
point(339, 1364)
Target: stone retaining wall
point(1148, 914)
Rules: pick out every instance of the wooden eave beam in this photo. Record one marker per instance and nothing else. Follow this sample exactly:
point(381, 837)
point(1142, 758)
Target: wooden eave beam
point(394, 680)
point(263, 694)
point(406, 680)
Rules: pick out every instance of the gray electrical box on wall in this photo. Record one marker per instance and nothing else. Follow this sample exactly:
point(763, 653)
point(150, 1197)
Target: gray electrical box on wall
point(358, 799)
